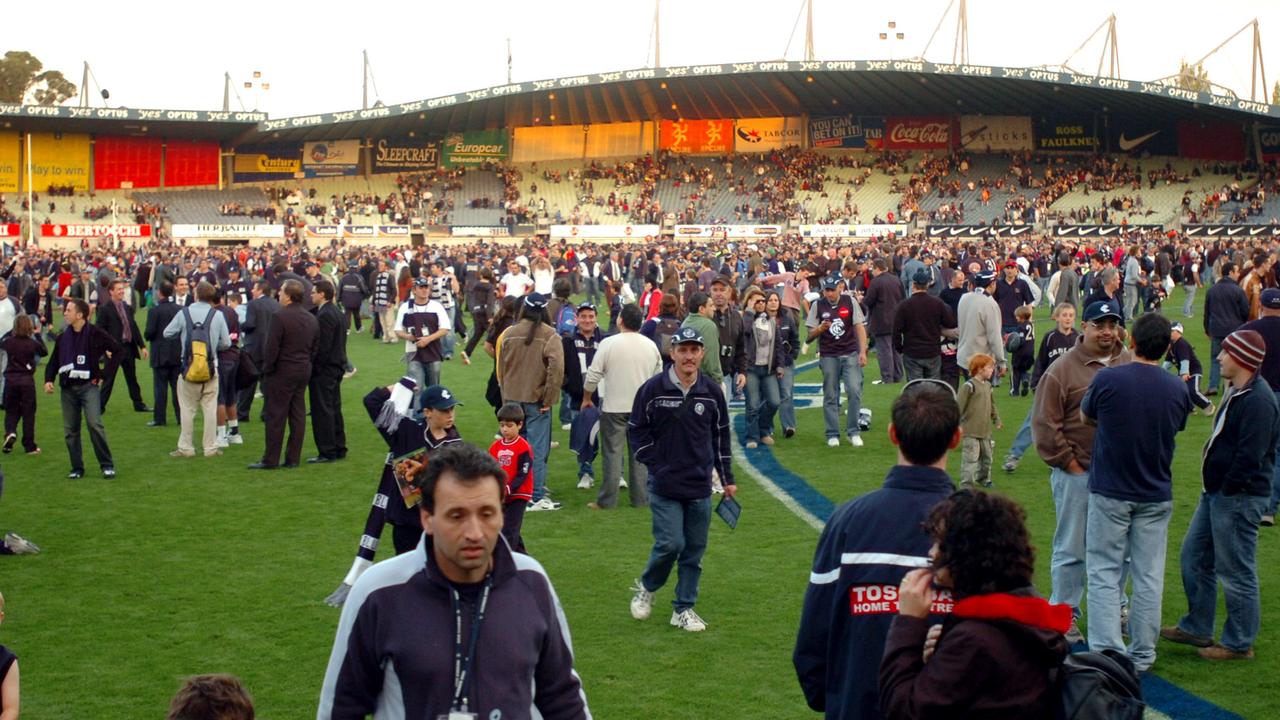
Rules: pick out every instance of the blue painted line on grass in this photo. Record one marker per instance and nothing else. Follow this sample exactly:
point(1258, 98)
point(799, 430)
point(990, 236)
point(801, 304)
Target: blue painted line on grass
point(1159, 694)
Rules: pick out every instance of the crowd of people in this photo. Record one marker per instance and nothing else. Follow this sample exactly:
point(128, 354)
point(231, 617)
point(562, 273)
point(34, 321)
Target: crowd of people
point(643, 347)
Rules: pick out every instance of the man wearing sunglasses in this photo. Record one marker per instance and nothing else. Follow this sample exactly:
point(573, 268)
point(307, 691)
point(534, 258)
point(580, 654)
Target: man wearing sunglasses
point(1065, 443)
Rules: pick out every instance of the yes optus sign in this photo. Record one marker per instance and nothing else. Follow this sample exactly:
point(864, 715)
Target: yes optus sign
point(917, 133)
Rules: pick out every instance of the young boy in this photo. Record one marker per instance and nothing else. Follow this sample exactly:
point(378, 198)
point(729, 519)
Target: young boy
point(977, 416)
point(515, 456)
point(1056, 343)
point(1182, 358)
point(1023, 357)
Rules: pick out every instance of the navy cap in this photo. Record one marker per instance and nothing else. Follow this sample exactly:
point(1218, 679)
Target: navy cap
point(983, 278)
point(310, 264)
point(922, 277)
point(422, 282)
point(1271, 298)
point(723, 280)
point(830, 283)
point(686, 334)
point(1102, 309)
point(535, 300)
point(233, 269)
point(438, 397)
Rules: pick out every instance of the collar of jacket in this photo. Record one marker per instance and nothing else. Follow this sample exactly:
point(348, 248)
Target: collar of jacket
point(1081, 355)
point(918, 477)
point(1020, 608)
point(504, 566)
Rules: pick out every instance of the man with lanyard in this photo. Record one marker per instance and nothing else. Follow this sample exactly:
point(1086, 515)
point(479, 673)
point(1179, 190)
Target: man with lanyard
point(511, 647)
point(422, 323)
point(837, 323)
point(76, 363)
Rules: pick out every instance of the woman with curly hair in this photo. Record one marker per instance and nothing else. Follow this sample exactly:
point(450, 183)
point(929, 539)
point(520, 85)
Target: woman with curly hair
point(993, 656)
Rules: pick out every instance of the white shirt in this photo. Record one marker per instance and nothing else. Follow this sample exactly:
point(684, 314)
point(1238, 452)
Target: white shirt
point(8, 313)
point(515, 285)
point(412, 307)
point(623, 361)
point(543, 281)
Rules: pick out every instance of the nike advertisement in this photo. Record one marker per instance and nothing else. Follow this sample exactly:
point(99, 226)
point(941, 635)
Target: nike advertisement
point(1141, 138)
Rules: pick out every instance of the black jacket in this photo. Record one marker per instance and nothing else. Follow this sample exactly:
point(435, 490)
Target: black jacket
point(257, 321)
point(881, 301)
point(290, 343)
point(578, 354)
point(165, 352)
point(108, 319)
point(331, 340)
point(353, 290)
point(681, 445)
point(1241, 452)
point(31, 304)
point(776, 356)
point(733, 358)
point(1225, 308)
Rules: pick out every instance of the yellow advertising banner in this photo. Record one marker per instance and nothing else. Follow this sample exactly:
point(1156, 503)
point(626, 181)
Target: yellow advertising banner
point(257, 163)
point(59, 160)
point(10, 162)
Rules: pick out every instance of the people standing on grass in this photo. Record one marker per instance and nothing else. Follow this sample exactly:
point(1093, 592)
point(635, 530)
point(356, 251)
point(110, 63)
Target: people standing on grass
point(1225, 309)
point(1056, 343)
point(765, 355)
point(1130, 498)
point(166, 356)
point(22, 352)
point(920, 324)
point(979, 417)
point(287, 351)
point(199, 393)
point(1221, 543)
point(1186, 365)
point(77, 364)
point(837, 323)
point(1268, 326)
point(865, 551)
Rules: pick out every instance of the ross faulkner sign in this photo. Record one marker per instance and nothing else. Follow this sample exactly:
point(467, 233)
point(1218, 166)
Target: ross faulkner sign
point(917, 133)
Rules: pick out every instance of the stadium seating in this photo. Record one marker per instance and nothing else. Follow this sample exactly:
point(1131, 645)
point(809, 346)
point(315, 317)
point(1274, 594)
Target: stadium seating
point(204, 206)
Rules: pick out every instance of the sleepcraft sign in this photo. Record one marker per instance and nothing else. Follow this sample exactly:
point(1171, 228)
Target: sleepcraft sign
point(399, 154)
point(733, 231)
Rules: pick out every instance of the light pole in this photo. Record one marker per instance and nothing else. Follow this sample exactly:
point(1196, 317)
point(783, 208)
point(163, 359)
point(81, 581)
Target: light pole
point(890, 35)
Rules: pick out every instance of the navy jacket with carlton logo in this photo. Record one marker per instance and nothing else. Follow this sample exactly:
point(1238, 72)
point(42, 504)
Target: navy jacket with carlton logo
point(393, 656)
point(680, 447)
point(868, 546)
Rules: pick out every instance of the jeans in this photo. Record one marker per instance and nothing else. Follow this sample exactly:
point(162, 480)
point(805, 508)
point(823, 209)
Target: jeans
point(567, 411)
point(1022, 440)
point(836, 370)
point(1043, 284)
point(786, 394)
point(426, 374)
point(537, 430)
point(1132, 302)
point(763, 399)
point(917, 368)
point(592, 289)
point(84, 399)
point(1215, 370)
point(679, 535)
point(448, 342)
point(1066, 567)
point(889, 360)
point(1221, 547)
point(613, 443)
point(1141, 530)
point(1189, 293)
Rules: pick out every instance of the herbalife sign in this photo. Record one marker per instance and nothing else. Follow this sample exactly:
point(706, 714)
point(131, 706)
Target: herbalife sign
point(475, 147)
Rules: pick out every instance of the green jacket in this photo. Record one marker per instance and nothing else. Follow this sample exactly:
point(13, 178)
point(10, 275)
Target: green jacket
point(711, 341)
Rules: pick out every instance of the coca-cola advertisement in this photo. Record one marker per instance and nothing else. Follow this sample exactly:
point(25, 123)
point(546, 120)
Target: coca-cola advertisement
point(917, 133)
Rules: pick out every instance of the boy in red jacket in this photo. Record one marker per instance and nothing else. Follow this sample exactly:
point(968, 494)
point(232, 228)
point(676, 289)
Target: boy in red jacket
point(515, 456)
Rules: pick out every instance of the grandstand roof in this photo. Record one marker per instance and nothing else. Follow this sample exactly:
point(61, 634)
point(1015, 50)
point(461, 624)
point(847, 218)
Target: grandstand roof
point(208, 124)
point(771, 89)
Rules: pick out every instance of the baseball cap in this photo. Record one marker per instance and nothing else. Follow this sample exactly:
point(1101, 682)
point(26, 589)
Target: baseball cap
point(921, 278)
point(1011, 263)
point(1271, 298)
point(687, 335)
point(983, 278)
point(1247, 348)
point(830, 283)
point(422, 282)
point(233, 269)
point(723, 280)
point(1176, 327)
point(438, 397)
point(535, 301)
point(1102, 309)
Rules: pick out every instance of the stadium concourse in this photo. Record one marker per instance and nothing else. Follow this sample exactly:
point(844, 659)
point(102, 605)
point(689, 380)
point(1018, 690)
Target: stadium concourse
point(844, 179)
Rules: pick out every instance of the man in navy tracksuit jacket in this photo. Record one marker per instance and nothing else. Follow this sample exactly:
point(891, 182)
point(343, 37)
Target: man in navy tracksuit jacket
point(679, 427)
point(867, 547)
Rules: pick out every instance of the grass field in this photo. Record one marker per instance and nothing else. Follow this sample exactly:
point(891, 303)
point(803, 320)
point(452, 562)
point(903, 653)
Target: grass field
point(189, 566)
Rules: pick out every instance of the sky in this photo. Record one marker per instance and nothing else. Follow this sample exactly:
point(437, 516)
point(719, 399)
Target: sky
point(152, 54)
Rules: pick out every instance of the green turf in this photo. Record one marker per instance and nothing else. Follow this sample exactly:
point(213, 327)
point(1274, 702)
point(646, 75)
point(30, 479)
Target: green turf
point(198, 565)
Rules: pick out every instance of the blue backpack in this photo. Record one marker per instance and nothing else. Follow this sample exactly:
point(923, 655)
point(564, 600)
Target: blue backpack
point(566, 319)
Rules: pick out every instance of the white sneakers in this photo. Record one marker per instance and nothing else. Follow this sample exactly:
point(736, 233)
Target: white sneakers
point(642, 602)
point(752, 445)
point(236, 439)
point(833, 442)
point(585, 482)
point(19, 545)
point(567, 426)
point(855, 440)
point(622, 483)
point(688, 621)
point(543, 505)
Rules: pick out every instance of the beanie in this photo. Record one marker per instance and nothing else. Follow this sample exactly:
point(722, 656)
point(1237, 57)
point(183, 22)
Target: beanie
point(1247, 348)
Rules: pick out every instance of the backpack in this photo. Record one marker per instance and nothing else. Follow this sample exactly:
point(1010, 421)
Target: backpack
point(566, 319)
point(1176, 272)
point(1099, 685)
point(196, 355)
point(663, 333)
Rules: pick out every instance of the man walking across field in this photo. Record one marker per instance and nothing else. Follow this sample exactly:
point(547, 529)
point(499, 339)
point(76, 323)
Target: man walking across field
point(680, 429)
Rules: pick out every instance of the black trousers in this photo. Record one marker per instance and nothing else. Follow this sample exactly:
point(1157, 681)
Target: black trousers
point(20, 404)
point(479, 323)
point(326, 412)
point(128, 365)
point(164, 381)
point(286, 402)
point(353, 313)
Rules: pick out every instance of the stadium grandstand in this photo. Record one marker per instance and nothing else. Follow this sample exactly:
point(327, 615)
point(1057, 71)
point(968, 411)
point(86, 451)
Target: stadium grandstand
point(819, 147)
